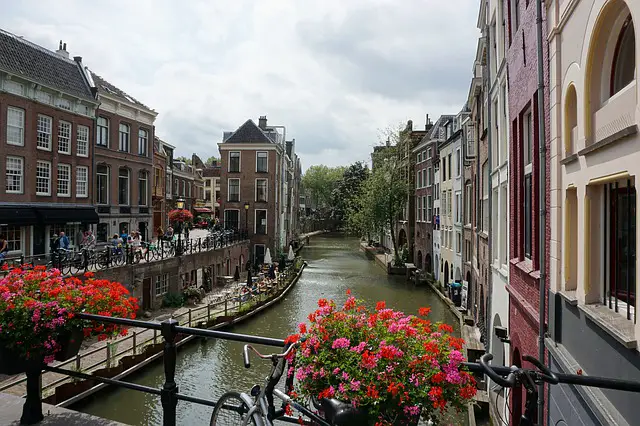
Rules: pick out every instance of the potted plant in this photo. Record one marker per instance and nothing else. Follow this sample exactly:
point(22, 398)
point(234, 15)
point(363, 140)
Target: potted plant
point(180, 216)
point(394, 368)
point(38, 315)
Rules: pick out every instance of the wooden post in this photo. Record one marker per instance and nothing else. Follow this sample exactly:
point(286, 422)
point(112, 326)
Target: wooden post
point(225, 307)
point(78, 362)
point(189, 325)
point(133, 348)
point(155, 336)
point(208, 311)
point(108, 360)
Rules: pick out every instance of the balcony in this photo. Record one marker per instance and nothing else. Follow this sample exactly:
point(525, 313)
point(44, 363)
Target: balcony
point(615, 116)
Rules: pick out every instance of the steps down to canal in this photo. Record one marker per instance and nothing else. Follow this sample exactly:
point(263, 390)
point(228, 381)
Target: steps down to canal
point(11, 410)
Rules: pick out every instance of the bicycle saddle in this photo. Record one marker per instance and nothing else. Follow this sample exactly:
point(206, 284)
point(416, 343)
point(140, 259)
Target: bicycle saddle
point(340, 413)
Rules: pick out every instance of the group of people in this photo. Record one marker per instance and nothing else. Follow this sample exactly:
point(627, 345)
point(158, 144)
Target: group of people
point(61, 241)
point(134, 239)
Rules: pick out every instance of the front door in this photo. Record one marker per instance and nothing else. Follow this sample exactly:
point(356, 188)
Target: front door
point(39, 239)
point(146, 294)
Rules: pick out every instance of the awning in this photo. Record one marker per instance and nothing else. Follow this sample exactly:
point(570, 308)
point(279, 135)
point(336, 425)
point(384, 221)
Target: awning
point(67, 215)
point(17, 215)
point(202, 210)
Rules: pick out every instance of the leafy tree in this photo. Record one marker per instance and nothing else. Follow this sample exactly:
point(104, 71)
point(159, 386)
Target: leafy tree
point(347, 189)
point(211, 161)
point(319, 181)
point(384, 193)
point(184, 159)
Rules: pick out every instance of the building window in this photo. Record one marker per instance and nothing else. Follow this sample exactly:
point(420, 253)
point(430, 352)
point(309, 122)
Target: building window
point(189, 190)
point(262, 162)
point(458, 208)
point(429, 176)
point(64, 180)
point(458, 163)
point(527, 142)
point(234, 161)
point(184, 188)
point(15, 126)
point(261, 222)
point(142, 189)
point(123, 186)
point(162, 285)
point(258, 254)
point(516, 15)
point(504, 232)
point(103, 131)
point(231, 219)
point(449, 164)
point(13, 234)
point(82, 140)
point(261, 190)
point(64, 137)
point(44, 132)
point(624, 65)
point(43, 178)
point(467, 204)
point(234, 190)
point(485, 197)
point(123, 144)
point(458, 242)
point(14, 175)
point(143, 142)
point(419, 158)
point(429, 153)
point(82, 181)
point(424, 177)
point(419, 209)
point(429, 208)
point(102, 184)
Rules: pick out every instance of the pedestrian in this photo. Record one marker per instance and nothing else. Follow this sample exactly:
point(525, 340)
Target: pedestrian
point(64, 241)
point(4, 248)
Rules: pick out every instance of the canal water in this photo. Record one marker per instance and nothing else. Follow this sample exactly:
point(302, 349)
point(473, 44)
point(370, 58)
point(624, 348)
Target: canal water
point(208, 369)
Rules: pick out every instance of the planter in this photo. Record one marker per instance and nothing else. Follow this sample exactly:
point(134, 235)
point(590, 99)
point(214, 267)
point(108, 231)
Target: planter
point(70, 342)
point(11, 363)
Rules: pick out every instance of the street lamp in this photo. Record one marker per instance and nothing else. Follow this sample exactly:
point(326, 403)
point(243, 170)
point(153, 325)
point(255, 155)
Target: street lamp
point(179, 206)
point(246, 218)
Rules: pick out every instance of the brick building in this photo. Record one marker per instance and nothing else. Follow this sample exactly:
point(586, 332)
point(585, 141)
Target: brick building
point(123, 162)
point(212, 195)
point(524, 192)
point(250, 182)
point(423, 193)
point(46, 135)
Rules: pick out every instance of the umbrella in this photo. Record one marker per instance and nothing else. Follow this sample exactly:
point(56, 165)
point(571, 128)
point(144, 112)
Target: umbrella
point(267, 257)
point(236, 276)
point(292, 255)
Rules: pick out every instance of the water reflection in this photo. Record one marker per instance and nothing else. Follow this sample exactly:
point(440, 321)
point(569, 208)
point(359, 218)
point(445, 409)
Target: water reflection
point(209, 368)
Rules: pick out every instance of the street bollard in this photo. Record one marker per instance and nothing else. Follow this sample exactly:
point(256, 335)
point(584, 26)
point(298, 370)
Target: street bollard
point(32, 408)
point(169, 391)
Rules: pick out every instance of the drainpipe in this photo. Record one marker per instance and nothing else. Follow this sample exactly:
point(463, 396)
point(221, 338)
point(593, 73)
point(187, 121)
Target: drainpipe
point(542, 200)
point(487, 319)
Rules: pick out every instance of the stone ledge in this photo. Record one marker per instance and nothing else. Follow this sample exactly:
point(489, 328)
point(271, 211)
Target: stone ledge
point(570, 296)
point(569, 159)
point(613, 323)
point(617, 136)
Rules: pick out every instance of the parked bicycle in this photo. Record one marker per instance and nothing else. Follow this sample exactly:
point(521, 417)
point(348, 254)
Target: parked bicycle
point(257, 408)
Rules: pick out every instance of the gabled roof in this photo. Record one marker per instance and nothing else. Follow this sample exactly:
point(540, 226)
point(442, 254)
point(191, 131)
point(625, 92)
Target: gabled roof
point(32, 62)
point(249, 132)
point(107, 88)
point(435, 130)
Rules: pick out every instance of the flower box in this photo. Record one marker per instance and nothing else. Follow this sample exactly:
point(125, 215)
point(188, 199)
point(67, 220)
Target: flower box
point(393, 368)
point(12, 362)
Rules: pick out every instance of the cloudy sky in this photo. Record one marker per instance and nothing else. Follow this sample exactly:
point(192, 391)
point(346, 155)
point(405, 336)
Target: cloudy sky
point(334, 72)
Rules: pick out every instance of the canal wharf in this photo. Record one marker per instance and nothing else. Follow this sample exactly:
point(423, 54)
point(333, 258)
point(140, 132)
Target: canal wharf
point(224, 305)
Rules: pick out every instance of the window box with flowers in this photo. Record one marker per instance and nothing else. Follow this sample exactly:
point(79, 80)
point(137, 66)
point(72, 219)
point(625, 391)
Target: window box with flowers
point(38, 321)
point(391, 367)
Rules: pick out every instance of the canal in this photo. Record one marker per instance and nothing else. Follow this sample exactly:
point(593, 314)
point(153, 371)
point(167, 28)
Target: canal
point(208, 369)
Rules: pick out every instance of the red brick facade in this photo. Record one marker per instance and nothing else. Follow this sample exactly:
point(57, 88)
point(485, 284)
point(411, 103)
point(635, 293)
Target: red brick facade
point(524, 273)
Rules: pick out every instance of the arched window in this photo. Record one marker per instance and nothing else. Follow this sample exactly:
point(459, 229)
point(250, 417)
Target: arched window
point(570, 120)
point(623, 68)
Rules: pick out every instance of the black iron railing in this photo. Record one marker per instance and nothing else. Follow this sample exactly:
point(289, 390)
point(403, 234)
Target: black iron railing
point(77, 262)
point(169, 392)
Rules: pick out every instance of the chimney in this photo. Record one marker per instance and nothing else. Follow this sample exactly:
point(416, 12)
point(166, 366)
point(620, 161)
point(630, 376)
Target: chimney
point(62, 50)
point(262, 122)
point(426, 125)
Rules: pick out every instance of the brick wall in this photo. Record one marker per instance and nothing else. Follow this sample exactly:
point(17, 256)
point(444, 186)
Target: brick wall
point(523, 84)
point(31, 154)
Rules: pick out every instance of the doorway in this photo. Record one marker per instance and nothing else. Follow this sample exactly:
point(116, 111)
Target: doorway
point(39, 239)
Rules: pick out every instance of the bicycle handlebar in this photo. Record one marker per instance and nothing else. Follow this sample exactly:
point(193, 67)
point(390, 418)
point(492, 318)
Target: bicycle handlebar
point(509, 382)
point(247, 362)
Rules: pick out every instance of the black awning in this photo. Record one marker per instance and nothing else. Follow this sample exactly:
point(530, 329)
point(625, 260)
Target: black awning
point(51, 215)
point(17, 215)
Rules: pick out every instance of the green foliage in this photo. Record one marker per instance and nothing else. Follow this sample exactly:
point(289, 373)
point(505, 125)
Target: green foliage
point(184, 159)
point(172, 300)
point(211, 161)
point(319, 182)
point(347, 189)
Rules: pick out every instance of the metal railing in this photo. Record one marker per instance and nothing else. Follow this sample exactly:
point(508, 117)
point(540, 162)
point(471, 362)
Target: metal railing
point(84, 260)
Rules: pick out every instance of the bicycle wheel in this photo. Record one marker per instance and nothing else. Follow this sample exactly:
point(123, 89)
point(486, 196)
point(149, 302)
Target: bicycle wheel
point(230, 410)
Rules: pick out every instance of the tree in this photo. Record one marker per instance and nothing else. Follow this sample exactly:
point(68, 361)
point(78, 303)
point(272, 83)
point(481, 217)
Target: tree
point(319, 181)
point(347, 189)
point(211, 161)
point(184, 159)
point(384, 193)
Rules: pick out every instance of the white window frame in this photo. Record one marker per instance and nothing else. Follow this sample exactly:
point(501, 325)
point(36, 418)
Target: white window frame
point(59, 180)
point(527, 143)
point(64, 135)
point(20, 116)
point(429, 180)
point(143, 142)
point(425, 218)
point(266, 191)
point(128, 200)
point(39, 164)
point(82, 184)
point(458, 163)
point(418, 179)
point(224, 216)
point(458, 207)
point(103, 131)
point(8, 231)
point(19, 160)
point(255, 221)
point(43, 139)
point(143, 176)
point(429, 153)
point(239, 161)
point(124, 137)
point(229, 190)
point(267, 161)
point(108, 186)
point(82, 141)
point(161, 285)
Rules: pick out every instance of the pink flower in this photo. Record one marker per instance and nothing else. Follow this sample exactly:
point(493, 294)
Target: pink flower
point(355, 385)
point(359, 348)
point(341, 342)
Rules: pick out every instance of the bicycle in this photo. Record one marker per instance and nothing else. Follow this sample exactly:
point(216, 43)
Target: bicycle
point(235, 408)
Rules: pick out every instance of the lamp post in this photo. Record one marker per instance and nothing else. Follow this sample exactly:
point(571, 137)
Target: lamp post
point(179, 206)
point(246, 218)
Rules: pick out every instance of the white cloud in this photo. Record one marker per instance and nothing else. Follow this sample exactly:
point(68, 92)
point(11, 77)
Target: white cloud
point(334, 72)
